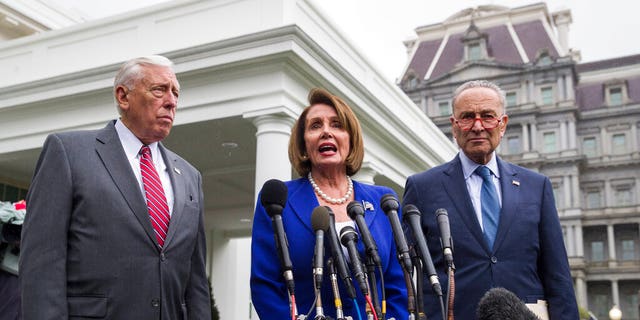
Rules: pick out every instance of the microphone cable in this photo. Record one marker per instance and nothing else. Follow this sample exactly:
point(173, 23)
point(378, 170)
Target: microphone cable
point(370, 304)
point(451, 295)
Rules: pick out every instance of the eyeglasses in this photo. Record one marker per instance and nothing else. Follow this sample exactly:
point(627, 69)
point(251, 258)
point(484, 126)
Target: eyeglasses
point(487, 121)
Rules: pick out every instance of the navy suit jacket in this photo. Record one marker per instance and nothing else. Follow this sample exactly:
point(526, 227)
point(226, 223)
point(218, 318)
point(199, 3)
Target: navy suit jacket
point(528, 258)
point(88, 249)
point(268, 290)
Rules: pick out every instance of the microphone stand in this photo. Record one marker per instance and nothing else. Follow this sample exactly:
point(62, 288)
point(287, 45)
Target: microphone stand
point(419, 284)
point(373, 288)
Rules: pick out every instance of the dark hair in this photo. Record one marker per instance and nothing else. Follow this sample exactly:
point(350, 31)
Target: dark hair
point(297, 148)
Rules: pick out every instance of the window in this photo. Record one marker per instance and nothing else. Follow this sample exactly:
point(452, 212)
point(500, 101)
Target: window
point(546, 95)
point(549, 142)
point(512, 99)
point(622, 196)
point(594, 199)
point(474, 51)
point(628, 250)
point(597, 251)
point(589, 147)
point(558, 195)
point(618, 143)
point(513, 145)
point(615, 96)
point(444, 108)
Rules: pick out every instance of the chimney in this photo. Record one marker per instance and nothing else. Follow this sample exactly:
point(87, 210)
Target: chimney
point(562, 20)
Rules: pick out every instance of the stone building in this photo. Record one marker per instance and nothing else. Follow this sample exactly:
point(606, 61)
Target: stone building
point(575, 122)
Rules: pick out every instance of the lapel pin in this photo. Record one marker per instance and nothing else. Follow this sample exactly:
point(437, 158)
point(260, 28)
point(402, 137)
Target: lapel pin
point(515, 183)
point(177, 170)
point(367, 205)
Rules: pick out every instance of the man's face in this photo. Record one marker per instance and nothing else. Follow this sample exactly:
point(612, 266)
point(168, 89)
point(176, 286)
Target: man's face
point(149, 107)
point(480, 139)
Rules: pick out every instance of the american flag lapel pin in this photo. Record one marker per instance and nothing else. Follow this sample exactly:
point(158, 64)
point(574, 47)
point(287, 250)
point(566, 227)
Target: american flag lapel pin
point(367, 205)
point(515, 183)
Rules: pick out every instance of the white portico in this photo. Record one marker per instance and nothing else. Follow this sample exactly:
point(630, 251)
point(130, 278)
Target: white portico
point(245, 68)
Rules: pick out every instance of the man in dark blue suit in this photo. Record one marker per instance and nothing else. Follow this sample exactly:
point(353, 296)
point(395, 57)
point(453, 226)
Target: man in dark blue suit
point(519, 244)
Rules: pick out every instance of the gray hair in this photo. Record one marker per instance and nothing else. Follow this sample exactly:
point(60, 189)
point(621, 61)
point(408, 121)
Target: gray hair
point(480, 84)
point(129, 72)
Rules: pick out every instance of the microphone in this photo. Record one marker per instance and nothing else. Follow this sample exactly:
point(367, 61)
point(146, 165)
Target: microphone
point(273, 198)
point(502, 304)
point(349, 238)
point(445, 235)
point(320, 223)
point(412, 216)
point(338, 255)
point(390, 205)
point(356, 212)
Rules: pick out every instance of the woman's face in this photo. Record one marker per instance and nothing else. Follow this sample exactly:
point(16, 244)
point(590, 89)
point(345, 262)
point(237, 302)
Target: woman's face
point(327, 142)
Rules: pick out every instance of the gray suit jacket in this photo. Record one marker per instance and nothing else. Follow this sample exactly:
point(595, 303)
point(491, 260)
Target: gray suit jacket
point(88, 247)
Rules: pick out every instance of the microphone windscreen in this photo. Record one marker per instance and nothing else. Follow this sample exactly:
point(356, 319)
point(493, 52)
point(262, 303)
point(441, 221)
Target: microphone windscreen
point(320, 219)
point(502, 304)
point(410, 210)
point(274, 192)
point(389, 202)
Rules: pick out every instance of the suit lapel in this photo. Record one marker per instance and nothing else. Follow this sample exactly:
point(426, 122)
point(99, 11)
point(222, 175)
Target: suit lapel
point(179, 192)
point(456, 188)
point(302, 201)
point(510, 185)
point(110, 151)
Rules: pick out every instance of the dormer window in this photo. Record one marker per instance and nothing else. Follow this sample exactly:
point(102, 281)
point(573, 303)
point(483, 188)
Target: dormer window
point(615, 93)
point(543, 58)
point(475, 44)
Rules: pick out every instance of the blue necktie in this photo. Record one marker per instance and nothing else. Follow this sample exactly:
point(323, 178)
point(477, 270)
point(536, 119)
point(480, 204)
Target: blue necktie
point(490, 205)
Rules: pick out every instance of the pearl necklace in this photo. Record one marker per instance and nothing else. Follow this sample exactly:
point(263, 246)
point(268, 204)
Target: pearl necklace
point(327, 198)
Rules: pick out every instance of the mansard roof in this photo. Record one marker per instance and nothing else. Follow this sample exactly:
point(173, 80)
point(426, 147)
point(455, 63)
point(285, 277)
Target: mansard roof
point(590, 93)
point(513, 37)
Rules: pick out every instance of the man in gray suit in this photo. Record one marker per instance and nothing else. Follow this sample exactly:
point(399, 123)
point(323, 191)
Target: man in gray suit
point(97, 241)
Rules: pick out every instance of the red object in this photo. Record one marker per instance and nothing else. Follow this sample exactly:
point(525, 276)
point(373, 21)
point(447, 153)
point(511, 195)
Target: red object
point(156, 200)
point(20, 205)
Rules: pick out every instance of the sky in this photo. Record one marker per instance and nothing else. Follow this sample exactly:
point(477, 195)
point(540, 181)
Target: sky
point(600, 29)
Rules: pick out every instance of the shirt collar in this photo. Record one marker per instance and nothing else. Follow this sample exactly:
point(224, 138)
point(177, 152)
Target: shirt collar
point(469, 166)
point(132, 144)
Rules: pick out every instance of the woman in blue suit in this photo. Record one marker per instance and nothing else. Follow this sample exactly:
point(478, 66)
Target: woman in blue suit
point(325, 148)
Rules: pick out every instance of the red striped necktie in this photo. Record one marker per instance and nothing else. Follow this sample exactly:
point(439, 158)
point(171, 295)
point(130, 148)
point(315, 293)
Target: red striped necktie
point(156, 199)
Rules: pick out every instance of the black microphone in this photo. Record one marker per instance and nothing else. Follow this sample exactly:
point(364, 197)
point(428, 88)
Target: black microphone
point(320, 224)
point(338, 255)
point(390, 205)
point(445, 235)
point(502, 304)
point(411, 216)
point(349, 238)
point(273, 198)
point(356, 212)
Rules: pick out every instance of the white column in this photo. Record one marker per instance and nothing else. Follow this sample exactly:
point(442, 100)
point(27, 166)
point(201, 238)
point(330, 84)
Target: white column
point(563, 135)
point(571, 241)
point(614, 292)
point(525, 137)
point(569, 83)
point(367, 173)
point(575, 191)
point(612, 246)
point(579, 242)
point(606, 150)
point(572, 134)
point(566, 185)
point(560, 96)
point(581, 292)
point(534, 133)
point(272, 142)
point(634, 137)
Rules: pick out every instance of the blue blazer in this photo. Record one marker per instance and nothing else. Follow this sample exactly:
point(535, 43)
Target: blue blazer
point(528, 258)
point(268, 290)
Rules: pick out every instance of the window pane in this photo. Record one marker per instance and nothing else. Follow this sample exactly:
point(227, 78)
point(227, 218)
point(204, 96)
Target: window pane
point(593, 200)
point(513, 144)
point(443, 106)
point(589, 147)
point(622, 196)
point(474, 51)
point(549, 140)
point(615, 96)
point(618, 143)
point(546, 95)
point(628, 250)
point(512, 99)
point(597, 251)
